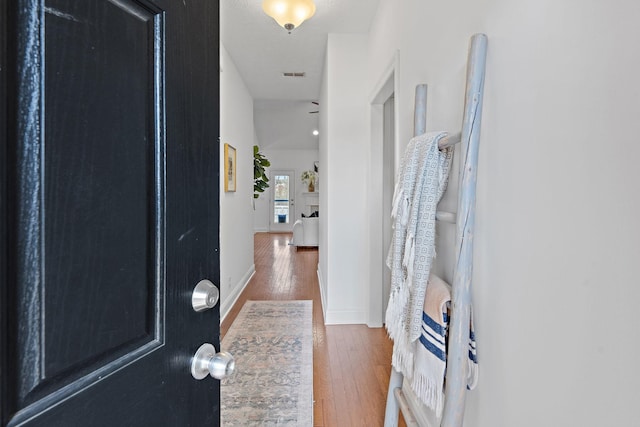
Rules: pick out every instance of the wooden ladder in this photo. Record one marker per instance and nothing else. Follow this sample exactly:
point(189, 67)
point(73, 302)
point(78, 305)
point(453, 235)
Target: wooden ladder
point(458, 348)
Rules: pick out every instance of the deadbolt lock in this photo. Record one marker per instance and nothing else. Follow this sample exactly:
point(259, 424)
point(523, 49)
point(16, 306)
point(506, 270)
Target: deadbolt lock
point(205, 296)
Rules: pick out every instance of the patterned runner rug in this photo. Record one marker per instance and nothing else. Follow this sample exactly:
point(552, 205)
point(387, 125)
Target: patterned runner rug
point(272, 344)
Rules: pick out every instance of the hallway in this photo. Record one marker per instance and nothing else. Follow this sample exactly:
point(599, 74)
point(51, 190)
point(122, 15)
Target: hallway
point(351, 363)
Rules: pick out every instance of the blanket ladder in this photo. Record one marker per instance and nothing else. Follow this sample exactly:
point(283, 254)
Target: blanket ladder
point(457, 355)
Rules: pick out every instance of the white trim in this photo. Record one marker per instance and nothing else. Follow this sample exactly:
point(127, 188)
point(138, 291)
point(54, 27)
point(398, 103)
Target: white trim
point(381, 93)
point(339, 317)
point(227, 301)
point(386, 86)
point(345, 317)
point(322, 295)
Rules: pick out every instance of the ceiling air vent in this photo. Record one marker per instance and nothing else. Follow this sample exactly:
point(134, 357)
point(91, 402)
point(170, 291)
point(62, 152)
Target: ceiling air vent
point(293, 74)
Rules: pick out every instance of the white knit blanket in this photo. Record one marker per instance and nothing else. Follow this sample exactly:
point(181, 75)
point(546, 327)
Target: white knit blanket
point(422, 180)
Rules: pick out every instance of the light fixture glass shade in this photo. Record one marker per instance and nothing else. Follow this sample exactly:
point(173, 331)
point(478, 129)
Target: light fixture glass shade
point(289, 14)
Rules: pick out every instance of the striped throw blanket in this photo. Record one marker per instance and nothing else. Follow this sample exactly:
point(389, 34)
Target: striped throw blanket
point(430, 359)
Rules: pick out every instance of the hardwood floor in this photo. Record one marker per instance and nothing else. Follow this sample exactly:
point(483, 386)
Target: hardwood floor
point(351, 363)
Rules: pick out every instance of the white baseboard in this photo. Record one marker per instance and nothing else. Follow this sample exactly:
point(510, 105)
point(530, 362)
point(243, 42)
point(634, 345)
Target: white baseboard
point(338, 317)
point(375, 324)
point(260, 230)
point(229, 300)
point(345, 317)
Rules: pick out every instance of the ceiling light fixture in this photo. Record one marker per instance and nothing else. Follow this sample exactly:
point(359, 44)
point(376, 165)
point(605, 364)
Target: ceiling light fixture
point(315, 132)
point(289, 14)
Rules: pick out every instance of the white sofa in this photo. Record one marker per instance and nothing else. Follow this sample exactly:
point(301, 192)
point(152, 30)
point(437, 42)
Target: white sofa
point(305, 232)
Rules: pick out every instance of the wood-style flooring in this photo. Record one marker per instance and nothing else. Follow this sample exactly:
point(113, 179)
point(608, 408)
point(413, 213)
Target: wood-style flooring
point(351, 363)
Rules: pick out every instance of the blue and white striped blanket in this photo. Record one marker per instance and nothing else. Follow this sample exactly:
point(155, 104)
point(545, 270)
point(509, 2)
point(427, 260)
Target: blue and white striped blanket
point(430, 357)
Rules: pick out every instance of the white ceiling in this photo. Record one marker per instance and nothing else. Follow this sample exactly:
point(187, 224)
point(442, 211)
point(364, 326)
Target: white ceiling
point(285, 124)
point(262, 51)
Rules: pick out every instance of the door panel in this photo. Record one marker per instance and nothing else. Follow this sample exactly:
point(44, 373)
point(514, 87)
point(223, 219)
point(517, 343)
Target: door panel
point(112, 211)
point(112, 178)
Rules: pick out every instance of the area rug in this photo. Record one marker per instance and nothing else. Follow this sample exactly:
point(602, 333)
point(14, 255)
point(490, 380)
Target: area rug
point(272, 344)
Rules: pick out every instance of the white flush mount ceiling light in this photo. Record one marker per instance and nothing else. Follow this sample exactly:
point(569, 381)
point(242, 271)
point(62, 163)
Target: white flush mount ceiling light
point(315, 132)
point(289, 14)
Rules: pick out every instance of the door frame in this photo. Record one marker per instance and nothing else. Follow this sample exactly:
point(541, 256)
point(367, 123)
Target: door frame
point(387, 86)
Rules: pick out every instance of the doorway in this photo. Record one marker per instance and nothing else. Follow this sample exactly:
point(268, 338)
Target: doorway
point(282, 212)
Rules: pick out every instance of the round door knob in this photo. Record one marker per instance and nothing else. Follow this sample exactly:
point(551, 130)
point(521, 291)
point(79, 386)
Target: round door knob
point(207, 362)
point(205, 296)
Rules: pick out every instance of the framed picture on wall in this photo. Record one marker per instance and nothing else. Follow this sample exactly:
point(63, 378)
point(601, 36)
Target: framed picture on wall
point(229, 168)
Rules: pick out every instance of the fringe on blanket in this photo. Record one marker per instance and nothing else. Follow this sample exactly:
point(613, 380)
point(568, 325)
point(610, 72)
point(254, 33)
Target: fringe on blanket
point(429, 392)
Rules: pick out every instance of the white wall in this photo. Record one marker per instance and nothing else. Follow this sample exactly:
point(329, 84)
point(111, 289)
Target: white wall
point(296, 160)
point(343, 239)
point(556, 253)
point(236, 208)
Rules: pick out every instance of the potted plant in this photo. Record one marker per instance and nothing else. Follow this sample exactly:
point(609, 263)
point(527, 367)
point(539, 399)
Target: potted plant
point(260, 179)
point(309, 178)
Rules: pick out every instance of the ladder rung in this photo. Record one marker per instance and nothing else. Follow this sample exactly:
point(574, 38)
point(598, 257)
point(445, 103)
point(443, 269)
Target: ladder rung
point(409, 419)
point(445, 216)
point(450, 140)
